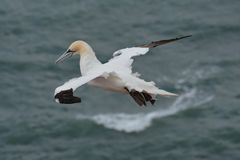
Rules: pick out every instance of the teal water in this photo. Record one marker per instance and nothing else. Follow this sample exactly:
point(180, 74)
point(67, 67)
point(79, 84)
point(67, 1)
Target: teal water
point(202, 123)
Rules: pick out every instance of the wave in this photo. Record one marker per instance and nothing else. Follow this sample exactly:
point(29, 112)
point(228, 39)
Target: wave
point(140, 121)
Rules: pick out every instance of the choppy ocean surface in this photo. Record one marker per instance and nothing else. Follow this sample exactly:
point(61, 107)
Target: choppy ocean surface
point(203, 122)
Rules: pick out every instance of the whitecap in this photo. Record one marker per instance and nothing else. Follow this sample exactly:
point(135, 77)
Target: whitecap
point(140, 121)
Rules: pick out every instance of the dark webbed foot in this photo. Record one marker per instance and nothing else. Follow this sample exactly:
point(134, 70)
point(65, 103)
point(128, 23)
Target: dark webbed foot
point(141, 98)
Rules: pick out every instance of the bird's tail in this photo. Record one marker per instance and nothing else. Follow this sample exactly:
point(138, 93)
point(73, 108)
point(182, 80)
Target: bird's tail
point(142, 91)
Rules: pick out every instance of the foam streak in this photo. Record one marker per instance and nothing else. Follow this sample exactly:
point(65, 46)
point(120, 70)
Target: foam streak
point(139, 122)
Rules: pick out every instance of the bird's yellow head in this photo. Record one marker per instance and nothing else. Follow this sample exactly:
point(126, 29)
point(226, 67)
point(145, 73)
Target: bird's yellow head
point(76, 48)
point(79, 47)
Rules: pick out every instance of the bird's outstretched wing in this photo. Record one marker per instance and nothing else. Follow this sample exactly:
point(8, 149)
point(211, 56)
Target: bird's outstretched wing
point(124, 56)
point(64, 93)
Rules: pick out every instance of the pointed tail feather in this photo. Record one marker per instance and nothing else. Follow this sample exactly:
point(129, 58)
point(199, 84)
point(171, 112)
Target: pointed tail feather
point(166, 93)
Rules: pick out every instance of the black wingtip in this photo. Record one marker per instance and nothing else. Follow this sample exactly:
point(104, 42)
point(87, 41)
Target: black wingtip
point(184, 37)
point(66, 97)
point(162, 42)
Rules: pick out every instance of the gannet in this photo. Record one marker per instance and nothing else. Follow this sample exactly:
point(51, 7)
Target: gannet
point(115, 75)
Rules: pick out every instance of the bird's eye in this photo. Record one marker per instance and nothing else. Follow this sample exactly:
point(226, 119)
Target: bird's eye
point(69, 50)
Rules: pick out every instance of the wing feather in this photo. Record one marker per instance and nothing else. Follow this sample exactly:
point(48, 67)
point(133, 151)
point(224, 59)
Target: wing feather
point(76, 82)
point(162, 42)
point(124, 56)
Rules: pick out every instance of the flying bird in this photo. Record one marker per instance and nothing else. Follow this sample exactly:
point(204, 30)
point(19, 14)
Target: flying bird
point(115, 75)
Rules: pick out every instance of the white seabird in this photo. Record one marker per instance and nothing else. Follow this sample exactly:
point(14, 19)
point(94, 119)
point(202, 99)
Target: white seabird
point(115, 75)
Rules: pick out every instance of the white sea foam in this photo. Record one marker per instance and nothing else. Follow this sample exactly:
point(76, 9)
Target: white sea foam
point(139, 122)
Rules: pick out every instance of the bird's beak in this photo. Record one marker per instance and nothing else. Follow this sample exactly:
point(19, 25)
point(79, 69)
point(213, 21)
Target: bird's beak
point(64, 56)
